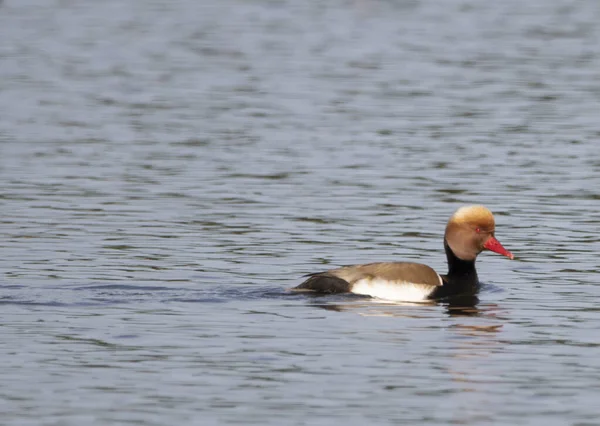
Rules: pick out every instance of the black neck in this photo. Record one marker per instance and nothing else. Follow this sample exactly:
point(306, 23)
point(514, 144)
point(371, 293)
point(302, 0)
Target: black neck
point(461, 273)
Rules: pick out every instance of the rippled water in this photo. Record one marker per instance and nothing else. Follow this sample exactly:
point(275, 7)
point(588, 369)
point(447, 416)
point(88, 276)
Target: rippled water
point(170, 169)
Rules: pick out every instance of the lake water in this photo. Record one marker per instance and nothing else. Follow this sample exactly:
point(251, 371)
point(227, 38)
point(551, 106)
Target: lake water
point(170, 168)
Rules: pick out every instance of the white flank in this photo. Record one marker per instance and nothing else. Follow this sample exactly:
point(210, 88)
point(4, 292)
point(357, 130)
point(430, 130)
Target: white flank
point(400, 291)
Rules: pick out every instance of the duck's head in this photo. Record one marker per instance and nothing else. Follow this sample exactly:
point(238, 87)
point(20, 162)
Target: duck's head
point(470, 230)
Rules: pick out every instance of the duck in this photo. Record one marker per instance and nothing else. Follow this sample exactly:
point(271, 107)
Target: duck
point(469, 231)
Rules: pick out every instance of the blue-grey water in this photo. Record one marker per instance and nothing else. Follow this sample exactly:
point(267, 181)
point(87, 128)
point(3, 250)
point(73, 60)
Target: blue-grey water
point(169, 169)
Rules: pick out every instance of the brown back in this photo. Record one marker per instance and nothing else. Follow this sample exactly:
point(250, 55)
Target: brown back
point(391, 271)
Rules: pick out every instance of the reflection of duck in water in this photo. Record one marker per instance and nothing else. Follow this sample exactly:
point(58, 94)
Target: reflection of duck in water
point(469, 231)
point(457, 306)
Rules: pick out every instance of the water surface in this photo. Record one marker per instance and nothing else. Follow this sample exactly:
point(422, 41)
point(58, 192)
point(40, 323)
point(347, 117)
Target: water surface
point(170, 169)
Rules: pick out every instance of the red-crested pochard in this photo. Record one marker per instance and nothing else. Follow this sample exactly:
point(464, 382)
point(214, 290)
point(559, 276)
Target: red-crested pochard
point(469, 231)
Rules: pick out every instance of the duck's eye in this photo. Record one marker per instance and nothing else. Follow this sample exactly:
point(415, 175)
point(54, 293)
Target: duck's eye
point(477, 230)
